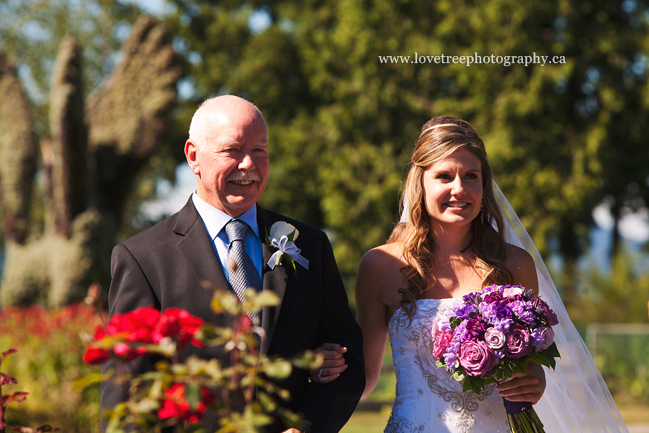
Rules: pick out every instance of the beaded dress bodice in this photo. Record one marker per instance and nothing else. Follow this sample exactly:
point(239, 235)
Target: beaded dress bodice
point(428, 399)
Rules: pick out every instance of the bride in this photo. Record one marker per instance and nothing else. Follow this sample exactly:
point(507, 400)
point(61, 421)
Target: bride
point(459, 235)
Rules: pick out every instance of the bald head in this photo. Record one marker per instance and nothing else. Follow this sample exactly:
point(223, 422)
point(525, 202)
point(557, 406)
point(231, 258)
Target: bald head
point(227, 150)
point(217, 111)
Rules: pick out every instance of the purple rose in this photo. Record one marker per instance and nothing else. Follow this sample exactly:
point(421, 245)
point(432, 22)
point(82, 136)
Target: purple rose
point(543, 309)
point(494, 338)
point(518, 342)
point(542, 338)
point(476, 358)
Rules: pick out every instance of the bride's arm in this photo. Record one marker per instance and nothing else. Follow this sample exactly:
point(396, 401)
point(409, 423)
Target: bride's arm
point(371, 314)
point(521, 265)
point(531, 385)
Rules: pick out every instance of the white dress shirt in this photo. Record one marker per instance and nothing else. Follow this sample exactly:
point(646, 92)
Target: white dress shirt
point(215, 221)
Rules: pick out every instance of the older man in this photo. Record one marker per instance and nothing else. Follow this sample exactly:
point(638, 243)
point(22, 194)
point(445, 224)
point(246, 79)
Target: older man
point(164, 266)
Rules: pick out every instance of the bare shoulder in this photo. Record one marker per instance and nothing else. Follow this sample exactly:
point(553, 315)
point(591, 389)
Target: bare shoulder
point(380, 270)
point(521, 264)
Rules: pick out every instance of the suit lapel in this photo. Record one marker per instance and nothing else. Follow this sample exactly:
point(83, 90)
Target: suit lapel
point(196, 247)
point(273, 279)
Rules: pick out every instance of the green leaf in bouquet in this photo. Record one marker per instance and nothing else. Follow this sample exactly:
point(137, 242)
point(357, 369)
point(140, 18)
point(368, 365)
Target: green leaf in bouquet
point(458, 375)
point(85, 382)
point(520, 365)
point(475, 384)
point(552, 350)
point(543, 359)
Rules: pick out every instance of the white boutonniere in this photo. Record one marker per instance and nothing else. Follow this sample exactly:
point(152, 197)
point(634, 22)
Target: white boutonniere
point(280, 239)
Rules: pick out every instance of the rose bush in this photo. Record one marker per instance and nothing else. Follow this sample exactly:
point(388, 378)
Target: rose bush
point(181, 394)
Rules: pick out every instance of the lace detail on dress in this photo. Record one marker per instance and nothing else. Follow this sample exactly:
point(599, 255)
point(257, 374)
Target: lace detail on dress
point(427, 396)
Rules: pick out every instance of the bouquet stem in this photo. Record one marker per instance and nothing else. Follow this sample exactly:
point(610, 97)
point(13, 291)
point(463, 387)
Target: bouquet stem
point(522, 417)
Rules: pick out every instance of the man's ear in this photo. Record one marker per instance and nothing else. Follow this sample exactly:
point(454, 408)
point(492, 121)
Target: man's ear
point(191, 153)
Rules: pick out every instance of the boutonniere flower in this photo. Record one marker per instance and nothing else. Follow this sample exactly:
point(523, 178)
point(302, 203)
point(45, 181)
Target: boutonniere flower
point(280, 239)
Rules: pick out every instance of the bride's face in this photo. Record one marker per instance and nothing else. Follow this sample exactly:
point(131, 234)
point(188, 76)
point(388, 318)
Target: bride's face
point(453, 188)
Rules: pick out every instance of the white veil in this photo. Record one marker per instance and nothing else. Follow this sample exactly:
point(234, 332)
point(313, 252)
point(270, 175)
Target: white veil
point(576, 399)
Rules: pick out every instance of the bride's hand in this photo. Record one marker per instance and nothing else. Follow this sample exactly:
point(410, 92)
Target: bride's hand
point(333, 364)
point(524, 387)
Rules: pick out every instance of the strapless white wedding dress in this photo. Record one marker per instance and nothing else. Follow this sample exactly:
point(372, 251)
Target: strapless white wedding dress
point(427, 399)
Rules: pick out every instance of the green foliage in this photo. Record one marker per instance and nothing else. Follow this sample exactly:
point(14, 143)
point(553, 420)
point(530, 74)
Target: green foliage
point(618, 296)
point(622, 357)
point(47, 364)
point(31, 33)
point(54, 270)
point(342, 123)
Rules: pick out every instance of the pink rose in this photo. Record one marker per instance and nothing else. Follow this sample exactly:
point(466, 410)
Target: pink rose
point(476, 358)
point(441, 340)
point(518, 342)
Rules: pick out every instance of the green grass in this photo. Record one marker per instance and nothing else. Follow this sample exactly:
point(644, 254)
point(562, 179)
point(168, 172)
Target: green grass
point(367, 422)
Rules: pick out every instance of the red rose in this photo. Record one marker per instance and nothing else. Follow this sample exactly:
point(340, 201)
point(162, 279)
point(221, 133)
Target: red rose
point(176, 406)
point(94, 355)
point(123, 350)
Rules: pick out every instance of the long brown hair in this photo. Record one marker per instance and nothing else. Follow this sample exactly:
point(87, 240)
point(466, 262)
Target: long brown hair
point(440, 137)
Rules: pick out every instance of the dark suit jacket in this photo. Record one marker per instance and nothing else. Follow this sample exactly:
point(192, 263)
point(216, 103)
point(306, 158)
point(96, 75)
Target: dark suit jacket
point(164, 266)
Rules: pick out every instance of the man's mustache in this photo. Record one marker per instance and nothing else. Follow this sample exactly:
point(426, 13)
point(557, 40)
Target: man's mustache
point(242, 175)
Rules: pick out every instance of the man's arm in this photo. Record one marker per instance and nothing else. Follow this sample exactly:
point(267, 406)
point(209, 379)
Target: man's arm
point(327, 407)
point(129, 289)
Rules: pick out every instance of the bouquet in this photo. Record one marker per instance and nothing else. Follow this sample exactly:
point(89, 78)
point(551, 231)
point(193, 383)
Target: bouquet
point(492, 334)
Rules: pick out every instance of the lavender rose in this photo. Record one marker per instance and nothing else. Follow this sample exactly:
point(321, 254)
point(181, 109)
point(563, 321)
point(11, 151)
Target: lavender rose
point(542, 338)
point(476, 358)
point(513, 291)
point(494, 338)
point(518, 342)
